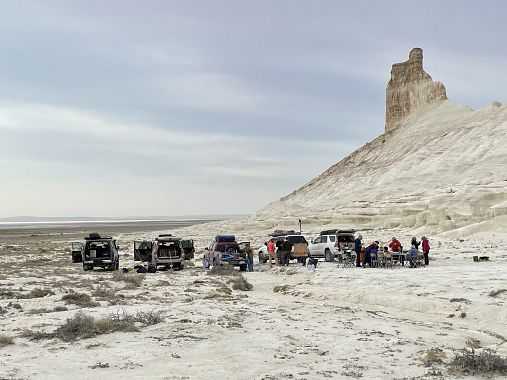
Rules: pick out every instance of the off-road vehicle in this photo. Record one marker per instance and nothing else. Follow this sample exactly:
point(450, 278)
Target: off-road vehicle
point(299, 249)
point(331, 243)
point(165, 250)
point(225, 251)
point(96, 252)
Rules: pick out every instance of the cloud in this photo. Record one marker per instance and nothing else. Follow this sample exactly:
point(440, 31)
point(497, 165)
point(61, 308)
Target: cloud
point(204, 101)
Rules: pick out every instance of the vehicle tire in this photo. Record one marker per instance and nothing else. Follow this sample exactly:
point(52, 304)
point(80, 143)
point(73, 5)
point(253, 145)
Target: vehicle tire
point(87, 267)
point(242, 267)
point(328, 255)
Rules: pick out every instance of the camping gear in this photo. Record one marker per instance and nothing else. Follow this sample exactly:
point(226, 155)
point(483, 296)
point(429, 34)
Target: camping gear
point(225, 238)
point(481, 258)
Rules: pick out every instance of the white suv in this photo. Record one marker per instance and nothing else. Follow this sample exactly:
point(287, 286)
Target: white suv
point(324, 246)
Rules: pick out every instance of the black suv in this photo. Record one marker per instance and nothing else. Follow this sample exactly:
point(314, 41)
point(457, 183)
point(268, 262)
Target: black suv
point(96, 252)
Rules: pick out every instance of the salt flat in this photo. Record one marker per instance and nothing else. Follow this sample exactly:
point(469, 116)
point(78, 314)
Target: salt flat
point(299, 324)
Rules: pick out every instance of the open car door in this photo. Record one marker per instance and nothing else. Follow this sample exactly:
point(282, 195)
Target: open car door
point(142, 250)
point(77, 251)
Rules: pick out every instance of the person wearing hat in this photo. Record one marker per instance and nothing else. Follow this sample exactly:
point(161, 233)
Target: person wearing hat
point(426, 249)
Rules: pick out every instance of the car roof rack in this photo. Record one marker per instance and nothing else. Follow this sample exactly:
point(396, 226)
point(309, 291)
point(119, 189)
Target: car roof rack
point(99, 238)
point(278, 233)
point(335, 231)
point(167, 237)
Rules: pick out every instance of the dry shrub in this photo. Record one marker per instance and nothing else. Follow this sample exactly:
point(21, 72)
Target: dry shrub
point(6, 340)
point(281, 288)
point(224, 289)
point(59, 308)
point(496, 293)
point(461, 300)
point(104, 292)
point(36, 335)
point(215, 295)
point(238, 281)
point(16, 306)
point(434, 355)
point(80, 299)
point(132, 279)
point(38, 293)
point(39, 311)
point(219, 270)
point(470, 362)
point(82, 326)
point(241, 283)
point(7, 293)
point(146, 318)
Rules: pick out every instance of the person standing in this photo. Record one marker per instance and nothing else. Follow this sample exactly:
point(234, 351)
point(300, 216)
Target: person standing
point(426, 250)
point(271, 251)
point(249, 257)
point(279, 252)
point(357, 249)
point(286, 250)
point(415, 243)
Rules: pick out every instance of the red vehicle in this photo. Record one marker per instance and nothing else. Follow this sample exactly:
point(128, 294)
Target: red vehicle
point(225, 251)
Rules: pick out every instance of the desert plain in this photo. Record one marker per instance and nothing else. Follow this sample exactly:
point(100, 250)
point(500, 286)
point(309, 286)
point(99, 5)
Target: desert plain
point(273, 323)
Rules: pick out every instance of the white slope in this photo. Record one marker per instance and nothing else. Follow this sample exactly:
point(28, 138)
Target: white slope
point(444, 168)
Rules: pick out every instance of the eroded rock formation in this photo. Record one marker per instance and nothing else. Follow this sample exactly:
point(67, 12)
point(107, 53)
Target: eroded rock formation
point(409, 88)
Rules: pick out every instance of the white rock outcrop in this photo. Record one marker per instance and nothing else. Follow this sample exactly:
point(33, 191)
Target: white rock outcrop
point(410, 88)
point(438, 167)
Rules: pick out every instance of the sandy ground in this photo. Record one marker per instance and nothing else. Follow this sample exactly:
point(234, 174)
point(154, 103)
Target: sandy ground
point(295, 324)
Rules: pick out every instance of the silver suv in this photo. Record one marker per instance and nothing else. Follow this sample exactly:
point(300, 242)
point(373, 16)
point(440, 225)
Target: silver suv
point(324, 246)
point(164, 251)
point(330, 243)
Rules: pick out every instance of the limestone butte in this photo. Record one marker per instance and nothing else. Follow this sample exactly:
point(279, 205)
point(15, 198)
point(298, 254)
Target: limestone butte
point(410, 88)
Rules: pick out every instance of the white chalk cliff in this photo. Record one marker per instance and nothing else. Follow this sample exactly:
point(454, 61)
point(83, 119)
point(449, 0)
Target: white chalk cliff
point(442, 168)
point(409, 89)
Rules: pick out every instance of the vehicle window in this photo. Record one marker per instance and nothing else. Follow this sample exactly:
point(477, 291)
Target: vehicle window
point(227, 247)
point(346, 239)
point(316, 240)
point(296, 239)
point(324, 239)
point(332, 239)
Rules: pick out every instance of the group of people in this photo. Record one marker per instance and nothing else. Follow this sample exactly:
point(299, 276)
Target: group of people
point(279, 251)
point(364, 255)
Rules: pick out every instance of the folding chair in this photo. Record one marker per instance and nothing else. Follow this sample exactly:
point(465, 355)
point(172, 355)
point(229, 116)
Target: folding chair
point(373, 259)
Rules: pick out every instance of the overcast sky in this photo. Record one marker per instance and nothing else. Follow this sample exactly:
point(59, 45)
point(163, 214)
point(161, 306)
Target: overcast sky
point(116, 108)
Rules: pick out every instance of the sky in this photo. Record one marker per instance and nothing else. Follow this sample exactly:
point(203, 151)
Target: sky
point(123, 108)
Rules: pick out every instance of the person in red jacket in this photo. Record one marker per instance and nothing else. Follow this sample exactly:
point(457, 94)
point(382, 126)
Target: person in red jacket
point(271, 251)
point(426, 249)
point(395, 246)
